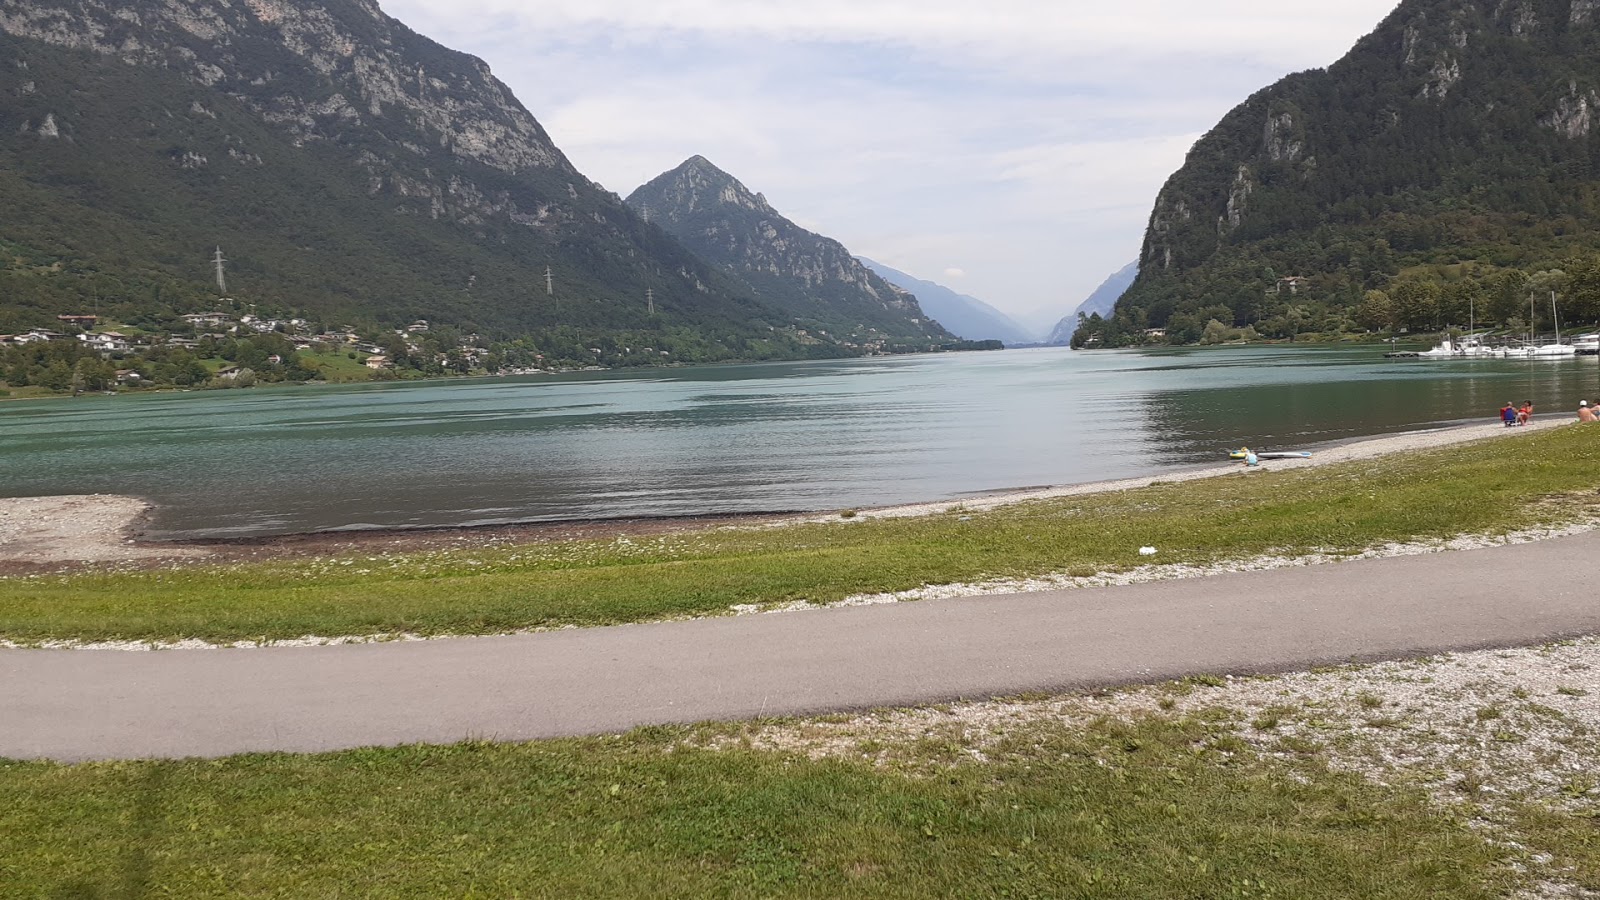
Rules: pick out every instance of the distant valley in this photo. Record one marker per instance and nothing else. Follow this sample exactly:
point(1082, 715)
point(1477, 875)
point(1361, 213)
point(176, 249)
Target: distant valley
point(964, 315)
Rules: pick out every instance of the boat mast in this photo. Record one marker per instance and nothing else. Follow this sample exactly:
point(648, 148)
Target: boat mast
point(1555, 317)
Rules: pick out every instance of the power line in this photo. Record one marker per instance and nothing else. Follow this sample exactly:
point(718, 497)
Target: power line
point(222, 280)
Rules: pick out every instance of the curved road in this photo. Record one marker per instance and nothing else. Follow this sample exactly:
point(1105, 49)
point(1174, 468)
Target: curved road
point(80, 705)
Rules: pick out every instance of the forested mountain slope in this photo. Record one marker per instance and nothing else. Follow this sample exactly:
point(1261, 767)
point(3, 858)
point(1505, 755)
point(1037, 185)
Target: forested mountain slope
point(1458, 132)
point(813, 278)
point(351, 169)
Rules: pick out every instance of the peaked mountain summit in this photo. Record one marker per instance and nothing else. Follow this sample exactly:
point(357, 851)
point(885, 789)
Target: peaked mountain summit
point(354, 171)
point(1458, 131)
point(814, 279)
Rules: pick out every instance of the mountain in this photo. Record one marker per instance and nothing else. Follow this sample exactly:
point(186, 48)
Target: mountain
point(963, 315)
point(1100, 303)
point(814, 279)
point(1459, 139)
point(352, 170)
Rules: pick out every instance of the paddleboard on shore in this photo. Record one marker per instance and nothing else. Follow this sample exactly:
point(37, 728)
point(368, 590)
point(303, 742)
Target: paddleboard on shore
point(1281, 454)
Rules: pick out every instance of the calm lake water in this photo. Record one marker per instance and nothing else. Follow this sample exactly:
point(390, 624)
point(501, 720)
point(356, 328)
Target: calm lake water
point(749, 438)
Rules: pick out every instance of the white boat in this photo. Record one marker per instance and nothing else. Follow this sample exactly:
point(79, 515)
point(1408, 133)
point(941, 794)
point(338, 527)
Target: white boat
point(1556, 350)
point(1586, 344)
point(1466, 348)
point(1447, 349)
point(1553, 351)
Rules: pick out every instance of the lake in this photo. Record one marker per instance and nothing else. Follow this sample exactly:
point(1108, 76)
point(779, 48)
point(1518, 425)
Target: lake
point(730, 439)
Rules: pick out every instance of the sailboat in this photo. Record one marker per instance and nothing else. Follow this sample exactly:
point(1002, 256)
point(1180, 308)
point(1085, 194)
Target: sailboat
point(1557, 350)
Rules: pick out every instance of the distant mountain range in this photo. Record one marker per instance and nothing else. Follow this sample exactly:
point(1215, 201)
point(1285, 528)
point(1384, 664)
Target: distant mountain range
point(1101, 302)
point(823, 288)
point(963, 315)
point(354, 172)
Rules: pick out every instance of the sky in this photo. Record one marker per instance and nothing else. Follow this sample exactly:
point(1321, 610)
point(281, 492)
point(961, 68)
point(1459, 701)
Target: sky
point(1010, 149)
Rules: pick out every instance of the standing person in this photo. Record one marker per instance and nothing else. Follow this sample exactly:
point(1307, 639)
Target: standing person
point(1508, 414)
point(1586, 412)
point(1525, 413)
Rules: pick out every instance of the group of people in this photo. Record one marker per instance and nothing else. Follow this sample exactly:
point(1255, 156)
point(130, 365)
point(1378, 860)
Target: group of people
point(1512, 415)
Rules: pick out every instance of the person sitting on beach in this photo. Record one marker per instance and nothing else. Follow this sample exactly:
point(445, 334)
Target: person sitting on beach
point(1508, 414)
point(1586, 412)
point(1525, 413)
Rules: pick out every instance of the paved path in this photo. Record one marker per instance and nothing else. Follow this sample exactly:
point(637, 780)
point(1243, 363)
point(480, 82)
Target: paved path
point(77, 705)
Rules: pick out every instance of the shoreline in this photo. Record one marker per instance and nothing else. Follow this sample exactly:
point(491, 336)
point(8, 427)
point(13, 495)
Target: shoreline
point(41, 535)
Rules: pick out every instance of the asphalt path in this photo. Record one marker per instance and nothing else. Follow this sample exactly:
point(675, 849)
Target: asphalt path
point(96, 704)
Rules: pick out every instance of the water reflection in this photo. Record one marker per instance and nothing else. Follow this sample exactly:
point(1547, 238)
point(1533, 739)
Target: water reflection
point(728, 439)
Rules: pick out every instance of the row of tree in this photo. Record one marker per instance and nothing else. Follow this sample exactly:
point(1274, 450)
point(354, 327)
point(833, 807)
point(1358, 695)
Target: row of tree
point(1418, 300)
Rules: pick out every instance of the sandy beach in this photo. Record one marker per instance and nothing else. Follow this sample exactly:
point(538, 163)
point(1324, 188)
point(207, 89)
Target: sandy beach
point(41, 534)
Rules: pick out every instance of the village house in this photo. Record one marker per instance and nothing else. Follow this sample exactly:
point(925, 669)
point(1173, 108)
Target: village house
point(378, 362)
point(106, 342)
point(1294, 284)
point(84, 322)
point(420, 326)
point(37, 335)
point(208, 320)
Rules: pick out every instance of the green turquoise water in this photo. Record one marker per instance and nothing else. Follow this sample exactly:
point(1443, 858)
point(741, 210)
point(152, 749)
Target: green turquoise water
point(749, 438)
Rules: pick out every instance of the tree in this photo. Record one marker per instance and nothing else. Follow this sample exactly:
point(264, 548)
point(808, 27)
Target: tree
point(1583, 290)
point(1508, 295)
point(1376, 311)
point(1416, 304)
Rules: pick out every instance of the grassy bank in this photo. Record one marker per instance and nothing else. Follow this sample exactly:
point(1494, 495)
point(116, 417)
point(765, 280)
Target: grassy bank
point(1156, 809)
point(1484, 488)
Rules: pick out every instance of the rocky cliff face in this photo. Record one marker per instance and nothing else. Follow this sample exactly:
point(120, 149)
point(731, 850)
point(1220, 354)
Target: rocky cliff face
point(812, 277)
point(339, 72)
point(1457, 128)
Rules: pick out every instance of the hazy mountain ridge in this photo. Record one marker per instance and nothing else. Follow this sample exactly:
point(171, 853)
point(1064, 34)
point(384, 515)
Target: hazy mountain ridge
point(1101, 303)
point(812, 277)
point(961, 314)
point(1457, 130)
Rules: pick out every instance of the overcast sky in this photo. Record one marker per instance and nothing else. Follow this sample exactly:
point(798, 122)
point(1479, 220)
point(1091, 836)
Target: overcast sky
point(1011, 149)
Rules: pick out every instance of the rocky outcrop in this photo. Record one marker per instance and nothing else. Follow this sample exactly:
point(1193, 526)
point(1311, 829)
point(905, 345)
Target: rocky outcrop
point(374, 69)
point(1574, 115)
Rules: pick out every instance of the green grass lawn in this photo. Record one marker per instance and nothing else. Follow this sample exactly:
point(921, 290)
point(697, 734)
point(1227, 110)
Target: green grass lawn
point(1490, 487)
point(336, 366)
point(1113, 810)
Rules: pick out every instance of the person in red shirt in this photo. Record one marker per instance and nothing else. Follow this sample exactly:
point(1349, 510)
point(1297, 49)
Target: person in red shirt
point(1525, 413)
point(1508, 414)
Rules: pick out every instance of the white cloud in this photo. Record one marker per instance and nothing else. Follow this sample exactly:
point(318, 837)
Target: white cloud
point(1282, 34)
point(1026, 139)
